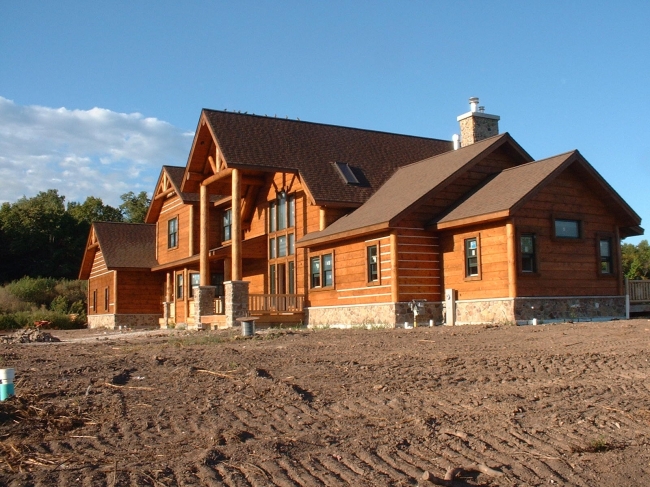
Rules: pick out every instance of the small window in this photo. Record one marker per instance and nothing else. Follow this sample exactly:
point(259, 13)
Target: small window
point(106, 297)
point(179, 286)
point(328, 270)
point(471, 257)
point(567, 228)
point(172, 233)
point(371, 262)
point(94, 308)
point(346, 173)
point(528, 252)
point(195, 280)
point(606, 261)
point(321, 271)
point(227, 225)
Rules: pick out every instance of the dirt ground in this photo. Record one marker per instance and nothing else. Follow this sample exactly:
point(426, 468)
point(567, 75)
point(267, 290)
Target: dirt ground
point(565, 404)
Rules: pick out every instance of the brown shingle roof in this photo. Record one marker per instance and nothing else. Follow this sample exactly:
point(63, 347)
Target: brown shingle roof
point(409, 185)
point(506, 189)
point(131, 245)
point(312, 148)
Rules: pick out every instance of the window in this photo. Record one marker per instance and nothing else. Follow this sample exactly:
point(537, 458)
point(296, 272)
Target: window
point(106, 296)
point(172, 233)
point(271, 248)
point(567, 228)
point(282, 246)
point(94, 301)
point(606, 260)
point(227, 225)
point(292, 244)
point(282, 211)
point(346, 173)
point(371, 263)
point(292, 212)
point(216, 280)
point(272, 278)
point(321, 271)
point(471, 257)
point(528, 252)
point(195, 280)
point(179, 286)
point(292, 278)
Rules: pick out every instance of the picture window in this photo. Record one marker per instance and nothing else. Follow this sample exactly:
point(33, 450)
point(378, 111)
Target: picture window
point(567, 228)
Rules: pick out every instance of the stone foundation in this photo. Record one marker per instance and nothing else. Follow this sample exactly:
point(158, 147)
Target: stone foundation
point(114, 321)
point(543, 309)
point(388, 315)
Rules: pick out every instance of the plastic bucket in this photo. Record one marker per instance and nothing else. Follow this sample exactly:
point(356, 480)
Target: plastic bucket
point(7, 375)
point(6, 391)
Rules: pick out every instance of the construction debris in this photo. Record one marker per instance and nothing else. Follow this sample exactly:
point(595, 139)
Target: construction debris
point(28, 335)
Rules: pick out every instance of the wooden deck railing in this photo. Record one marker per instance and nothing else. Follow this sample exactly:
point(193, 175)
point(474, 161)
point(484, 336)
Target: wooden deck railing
point(219, 305)
point(276, 303)
point(639, 290)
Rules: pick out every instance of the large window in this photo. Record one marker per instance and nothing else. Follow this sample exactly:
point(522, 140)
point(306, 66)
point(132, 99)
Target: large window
point(372, 252)
point(567, 228)
point(528, 252)
point(227, 225)
point(172, 233)
point(605, 253)
point(471, 257)
point(321, 271)
point(282, 244)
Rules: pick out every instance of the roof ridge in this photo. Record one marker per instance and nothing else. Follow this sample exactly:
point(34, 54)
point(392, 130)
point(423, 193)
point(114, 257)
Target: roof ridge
point(325, 125)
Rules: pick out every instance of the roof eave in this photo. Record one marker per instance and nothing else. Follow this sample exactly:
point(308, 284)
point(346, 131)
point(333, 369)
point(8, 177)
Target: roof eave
point(335, 237)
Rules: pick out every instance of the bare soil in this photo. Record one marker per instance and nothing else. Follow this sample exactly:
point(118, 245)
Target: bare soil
point(564, 404)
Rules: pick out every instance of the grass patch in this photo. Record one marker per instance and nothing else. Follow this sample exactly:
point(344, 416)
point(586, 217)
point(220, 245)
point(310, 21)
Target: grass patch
point(195, 340)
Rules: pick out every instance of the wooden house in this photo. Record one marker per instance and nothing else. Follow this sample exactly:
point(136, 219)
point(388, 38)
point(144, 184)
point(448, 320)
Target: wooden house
point(302, 222)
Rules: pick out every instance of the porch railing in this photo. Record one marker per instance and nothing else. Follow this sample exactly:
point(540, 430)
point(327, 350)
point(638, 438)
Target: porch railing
point(219, 305)
point(639, 290)
point(276, 303)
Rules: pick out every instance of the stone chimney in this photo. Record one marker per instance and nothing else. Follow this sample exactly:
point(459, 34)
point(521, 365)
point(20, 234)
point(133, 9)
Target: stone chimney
point(477, 125)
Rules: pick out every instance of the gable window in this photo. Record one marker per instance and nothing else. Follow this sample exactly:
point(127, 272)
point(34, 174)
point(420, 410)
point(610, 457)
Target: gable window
point(471, 257)
point(321, 271)
point(371, 263)
point(227, 225)
point(567, 228)
point(528, 252)
point(195, 280)
point(172, 233)
point(606, 260)
point(179, 286)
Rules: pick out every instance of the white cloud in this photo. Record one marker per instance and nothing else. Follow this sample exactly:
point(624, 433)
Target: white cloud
point(83, 153)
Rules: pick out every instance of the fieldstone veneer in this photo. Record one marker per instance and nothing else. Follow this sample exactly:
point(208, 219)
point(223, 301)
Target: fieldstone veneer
point(236, 301)
point(387, 315)
point(113, 322)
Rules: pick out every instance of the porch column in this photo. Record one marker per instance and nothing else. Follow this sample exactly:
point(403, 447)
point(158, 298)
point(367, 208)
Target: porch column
point(236, 226)
point(236, 301)
point(512, 259)
point(168, 300)
point(204, 266)
point(394, 270)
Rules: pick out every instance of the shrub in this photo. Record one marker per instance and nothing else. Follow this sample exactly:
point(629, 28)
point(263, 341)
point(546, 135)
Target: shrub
point(10, 303)
point(39, 291)
point(24, 319)
point(8, 322)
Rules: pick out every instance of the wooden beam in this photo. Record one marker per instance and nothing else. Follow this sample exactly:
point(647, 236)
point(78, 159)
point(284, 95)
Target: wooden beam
point(220, 175)
point(394, 268)
point(248, 206)
point(511, 246)
point(164, 193)
point(168, 287)
point(236, 224)
point(194, 176)
point(213, 164)
point(322, 219)
point(204, 226)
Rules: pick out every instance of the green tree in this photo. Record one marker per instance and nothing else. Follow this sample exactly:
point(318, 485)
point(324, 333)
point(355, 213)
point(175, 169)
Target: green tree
point(134, 207)
point(94, 210)
point(636, 260)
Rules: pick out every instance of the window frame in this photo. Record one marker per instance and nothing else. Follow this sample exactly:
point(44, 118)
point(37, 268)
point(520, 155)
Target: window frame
point(94, 305)
point(467, 276)
point(173, 235)
point(613, 251)
point(226, 224)
point(179, 286)
point(320, 256)
point(569, 218)
point(521, 232)
point(107, 296)
point(377, 280)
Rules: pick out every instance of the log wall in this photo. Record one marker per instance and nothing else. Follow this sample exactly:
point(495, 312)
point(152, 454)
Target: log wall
point(100, 279)
point(140, 292)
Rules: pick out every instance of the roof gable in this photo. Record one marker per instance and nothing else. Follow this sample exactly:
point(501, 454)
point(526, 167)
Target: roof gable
point(123, 245)
point(309, 149)
point(410, 185)
point(505, 193)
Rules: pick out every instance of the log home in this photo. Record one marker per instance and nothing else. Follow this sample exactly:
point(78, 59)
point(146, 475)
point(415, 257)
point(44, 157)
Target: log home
point(298, 222)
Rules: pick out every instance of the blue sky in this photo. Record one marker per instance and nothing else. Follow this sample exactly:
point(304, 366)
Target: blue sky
point(96, 96)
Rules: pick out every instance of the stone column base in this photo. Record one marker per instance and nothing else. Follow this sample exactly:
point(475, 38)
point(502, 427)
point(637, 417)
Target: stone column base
point(236, 301)
point(203, 304)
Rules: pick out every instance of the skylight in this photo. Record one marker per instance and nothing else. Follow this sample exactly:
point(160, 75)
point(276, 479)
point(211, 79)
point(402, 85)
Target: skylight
point(346, 172)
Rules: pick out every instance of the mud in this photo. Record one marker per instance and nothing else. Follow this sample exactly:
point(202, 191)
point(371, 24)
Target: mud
point(564, 404)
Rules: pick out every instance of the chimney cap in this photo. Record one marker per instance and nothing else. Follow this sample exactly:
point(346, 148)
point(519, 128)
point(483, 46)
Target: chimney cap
point(473, 103)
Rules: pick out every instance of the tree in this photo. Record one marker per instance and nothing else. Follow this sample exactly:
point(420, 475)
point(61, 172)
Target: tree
point(135, 207)
point(94, 210)
point(636, 260)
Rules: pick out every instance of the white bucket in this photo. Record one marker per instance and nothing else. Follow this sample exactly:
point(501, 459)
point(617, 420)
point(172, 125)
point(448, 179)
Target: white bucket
point(7, 376)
